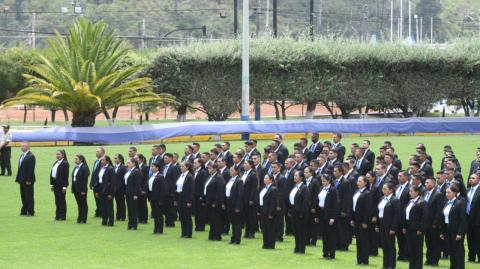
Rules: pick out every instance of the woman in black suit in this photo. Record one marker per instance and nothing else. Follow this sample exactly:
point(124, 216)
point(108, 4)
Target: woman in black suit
point(234, 204)
point(327, 209)
point(184, 198)
point(214, 195)
point(376, 192)
point(142, 199)
point(314, 188)
point(120, 170)
point(157, 192)
point(388, 219)
point(299, 199)
point(268, 200)
point(414, 226)
point(453, 226)
point(59, 183)
point(80, 176)
point(106, 179)
point(132, 179)
point(362, 215)
point(200, 176)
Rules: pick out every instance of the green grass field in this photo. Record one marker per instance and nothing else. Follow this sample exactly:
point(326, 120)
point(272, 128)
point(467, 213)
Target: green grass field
point(40, 242)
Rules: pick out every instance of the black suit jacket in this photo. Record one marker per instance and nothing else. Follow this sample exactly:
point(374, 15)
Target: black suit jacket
point(236, 194)
point(158, 160)
point(26, 170)
point(474, 217)
point(159, 192)
point(352, 178)
point(107, 187)
point(225, 174)
point(315, 151)
point(250, 187)
point(229, 157)
point(370, 156)
point(314, 188)
point(186, 196)
point(270, 199)
point(418, 216)
point(363, 208)
point(81, 183)
point(474, 167)
point(341, 151)
point(457, 218)
point(282, 152)
point(283, 190)
point(427, 169)
point(62, 175)
point(120, 178)
point(434, 208)
point(215, 194)
point(365, 167)
point(331, 208)
point(95, 171)
point(199, 181)
point(134, 183)
point(391, 214)
point(171, 177)
point(302, 201)
point(393, 172)
point(345, 194)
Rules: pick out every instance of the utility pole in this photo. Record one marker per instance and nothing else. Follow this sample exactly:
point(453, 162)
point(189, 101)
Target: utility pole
point(409, 19)
point(256, 11)
point(421, 29)
point(142, 31)
point(431, 30)
point(245, 66)
point(274, 18)
point(391, 20)
point(401, 19)
point(235, 18)
point(266, 16)
point(312, 36)
point(34, 22)
point(319, 17)
point(416, 28)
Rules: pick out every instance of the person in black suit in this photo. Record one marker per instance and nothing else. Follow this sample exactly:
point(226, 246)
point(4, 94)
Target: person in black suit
point(362, 164)
point(170, 173)
point(234, 204)
point(184, 198)
point(288, 175)
point(316, 146)
point(80, 176)
point(142, 201)
point(388, 220)
point(26, 179)
point(199, 177)
point(268, 201)
point(133, 187)
point(361, 217)
point(337, 145)
point(227, 154)
point(280, 149)
point(120, 170)
point(351, 174)
point(314, 188)
point(156, 189)
point(402, 195)
point(283, 192)
point(344, 194)
point(158, 152)
point(106, 187)
point(376, 193)
point(299, 199)
point(99, 153)
point(453, 227)
point(333, 159)
point(391, 170)
point(368, 154)
point(414, 227)
point(214, 196)
point(473, 218)
point(250, 198)
point(434, 201)
point(188, 157)
point(475, 164)
point(425, 165)
point(327, 211)
point(59, 183)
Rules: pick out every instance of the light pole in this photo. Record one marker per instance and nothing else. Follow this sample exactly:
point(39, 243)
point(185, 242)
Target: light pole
point(416, 28)
point(391, 20)
point(409, 19)
point(245, 66)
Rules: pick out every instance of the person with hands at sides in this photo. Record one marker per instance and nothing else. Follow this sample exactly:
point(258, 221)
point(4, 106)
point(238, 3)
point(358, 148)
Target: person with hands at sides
point(234, 204)
point(106, 180)
point(80, 175)
point(184, 198)
point(361, 216)
point(299, 199)
point(120, 170)
point(250, 197)
point(133, 180)
point(156, 189)
point(59, 183)
point(327, 211)
point(26, 179)
point(214, 195)
point(414, 226)
point(268, 200)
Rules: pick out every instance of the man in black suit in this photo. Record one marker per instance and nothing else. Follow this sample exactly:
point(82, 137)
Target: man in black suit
point(368, 154)
point(402, 194)
point(425, 166)
point(250, 149)
point(475, 165)
point(362, 164)
point(288, 174)
point(473, 218)
point(391, 169)
point(305, 150)
point(301, 162)
point(283, 193)
point(351, 175)
point(99, 153)
point(345, 195)
point(196, 150)
point(316, 146)
point(333, 159)
point(434, 201)
point(188, 157)
point(250, 198)
point(227, 154)
point(157, 156)
point(337, 145)
point(279, 148)
point(170, 173)
point(26, 180)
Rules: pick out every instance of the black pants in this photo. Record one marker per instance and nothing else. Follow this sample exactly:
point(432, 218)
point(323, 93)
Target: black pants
point(215, 220)
point(185, 216)
point(389, 249)
point(200, 215)
point(235, 219)
point(28, 203)
point(456, 249)
point(60, 203)
point(268, 231)
point(107, 210)
point(432, 241)
point(142, 209)
point(225, 221)
point(6, 155)
point(288, 220)
point(280, 225)
point(299, 222)
point(171, 213)
point(363, 244)
point(157, 213)
point(132, 208)
point(98, 203)
point(82, 207)
point(473, 241)
point(250, 217)
point(121, 213)
point(344, 233)
point(415, 247)
point(402, 245)
point(312, 229)
point(329, 237)
point(374, 239)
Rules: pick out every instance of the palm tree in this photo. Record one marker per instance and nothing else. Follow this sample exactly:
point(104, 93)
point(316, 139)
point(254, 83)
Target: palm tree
point(86, 75)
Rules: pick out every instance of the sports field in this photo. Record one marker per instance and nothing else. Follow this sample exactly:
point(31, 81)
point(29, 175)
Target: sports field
point(41, 242)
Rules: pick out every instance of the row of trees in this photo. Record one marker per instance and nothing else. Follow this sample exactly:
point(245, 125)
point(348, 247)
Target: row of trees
point(349, 75)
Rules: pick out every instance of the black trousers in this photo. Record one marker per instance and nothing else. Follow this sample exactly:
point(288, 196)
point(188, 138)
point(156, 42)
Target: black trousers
point(432, 241)
point(60, 203)
point(280, 224)
point(299, 224)
point(200, 215)
point(98, 203)
point(132, 208)
point(312, 229)
point(329, 237)
point(225, 221)
point(82, 206)
point(28, 203)
point(121, 213)
point(215, 220)
point(235, 219)
point(389, 249)
point(415, 246)
point(107, 210)
point(268, 231)
point(344, 233)
point(142, 209)
point(250, 217)
point(456, 249)
point(288, 220)
point(473, 241)
point(374, 239)
point(6, 155)
point(171, 213)
point(157, 214)
point(363, 243)
point(185, 216)
point(402, 245)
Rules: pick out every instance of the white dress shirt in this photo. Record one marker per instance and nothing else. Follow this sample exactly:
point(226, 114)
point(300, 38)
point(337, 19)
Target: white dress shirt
point(245, 175)
point(180, 181)
point(382, 204)
point(309, 181)
point(151, 180)
point(208, 182)
point(228, 187)
point(294, 192)
point(322, 196)
point(446, 210)
point(101, 173)
point(409, 207)
point(127, 175)
point(55, 168)
point(6, 137)
point(399, 191)
point(75, 171)
point(263, 192)
point(355, 197)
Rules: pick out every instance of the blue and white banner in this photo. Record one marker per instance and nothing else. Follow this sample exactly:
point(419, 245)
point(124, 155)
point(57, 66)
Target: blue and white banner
point(138, 133)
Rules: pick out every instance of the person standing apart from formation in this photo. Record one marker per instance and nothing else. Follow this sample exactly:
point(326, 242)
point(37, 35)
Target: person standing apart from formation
point(328, 210)
point(80, 176)
point(414, 227)
point(299, 199)
point(388, 220)
point(361, 216)
point(184, 198)
point(133, 179)
point(59, 183)
point(6, 151)
point(26, 180)
point(268, 201)
point(156, 189)
point(106, 180)
point(234, 204)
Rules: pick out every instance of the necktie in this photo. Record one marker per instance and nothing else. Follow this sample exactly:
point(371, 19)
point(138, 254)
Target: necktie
point(469, 201)
point(21, 159)
point(400, 192)
point(427, 197)
point(313, 147)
